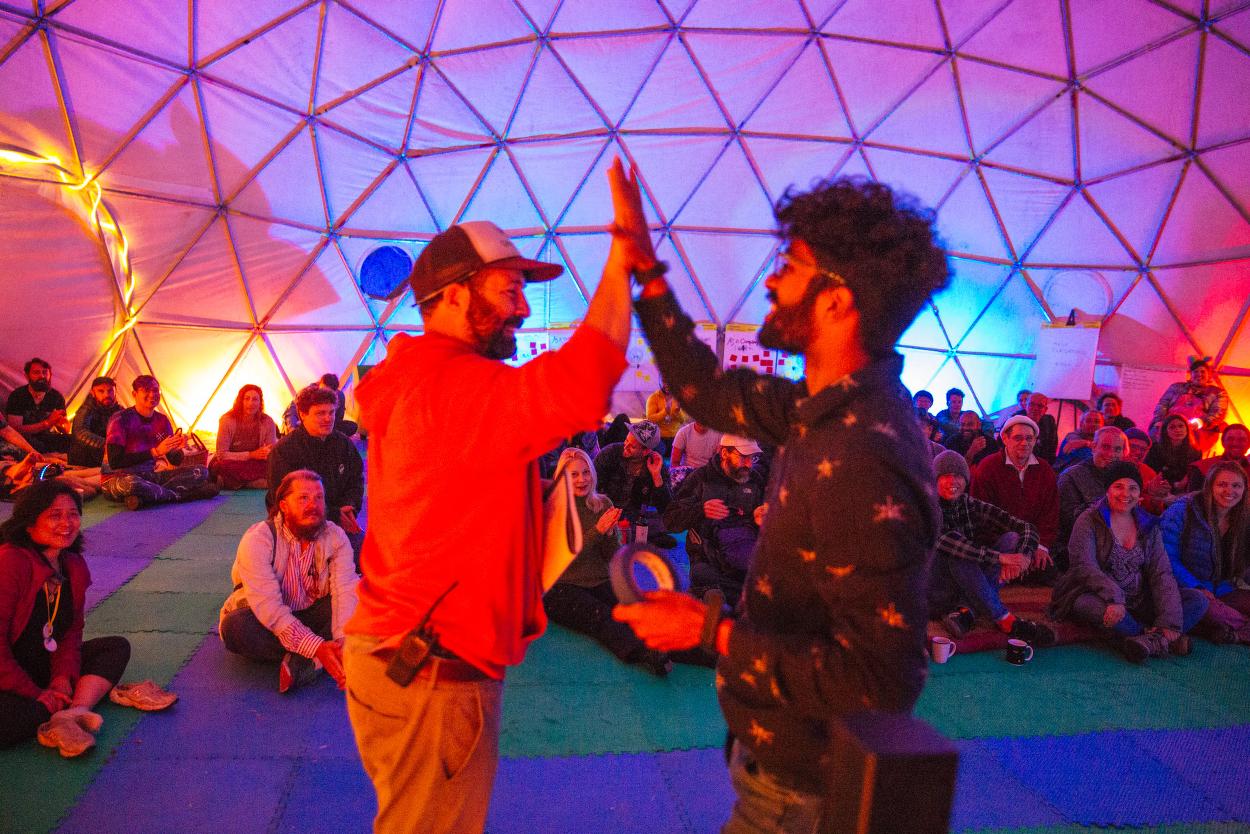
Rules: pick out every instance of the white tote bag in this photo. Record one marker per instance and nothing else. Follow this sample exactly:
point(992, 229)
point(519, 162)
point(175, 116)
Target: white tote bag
point(562, 529)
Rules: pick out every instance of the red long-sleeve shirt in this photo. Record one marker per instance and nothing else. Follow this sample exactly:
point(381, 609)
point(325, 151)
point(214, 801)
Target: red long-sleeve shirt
point(1034, 499)
point(453, 487)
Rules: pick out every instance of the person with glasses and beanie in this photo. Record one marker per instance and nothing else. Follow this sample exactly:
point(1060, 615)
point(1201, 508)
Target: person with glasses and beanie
point(833, 611)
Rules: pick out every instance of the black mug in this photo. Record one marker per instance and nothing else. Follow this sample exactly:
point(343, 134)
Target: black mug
point(1019, 652)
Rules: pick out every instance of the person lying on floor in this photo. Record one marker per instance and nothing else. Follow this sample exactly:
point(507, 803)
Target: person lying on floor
point(50, 679)
point(963, 584)
point(1119, 578)
point(1205, 535)
point(144, 451)
point(582, 599)
point(294, 587)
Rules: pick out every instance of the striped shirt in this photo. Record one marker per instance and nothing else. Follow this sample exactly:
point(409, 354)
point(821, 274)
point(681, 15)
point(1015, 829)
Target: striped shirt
point(300, 589)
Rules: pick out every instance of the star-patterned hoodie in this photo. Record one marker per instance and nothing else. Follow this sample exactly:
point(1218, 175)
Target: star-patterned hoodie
point(832, 618)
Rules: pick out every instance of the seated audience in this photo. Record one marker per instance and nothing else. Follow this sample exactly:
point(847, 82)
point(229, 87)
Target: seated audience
point(1112, 408)
point(1174, 452)
point(1157, 493)
point(1022, 402)
point(1236, 443)
point(37, 410)
point(294, 587)
point(1024, 487)
point(721, 503)
point(12, 445)
point(315, 445)
point(1120, 579)
point(963, 585)
point(583, 599)
point(1079, 441)
point(245, 437)
point(144, 451)
point(1083, 485)
point(1206, 536)
point(971, 441)
point(664, 410)
point(330, 382)
point(1047, 447)
point(634, 476)
point(50, 678)
point(615, 431)
point(1199, 398)
point(16, 476)
point(91, 423)
point(948, 418)
point(694, 445)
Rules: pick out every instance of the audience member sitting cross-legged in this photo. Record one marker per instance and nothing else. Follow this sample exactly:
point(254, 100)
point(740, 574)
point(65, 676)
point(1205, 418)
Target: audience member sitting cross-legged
point(1119, 578)
point(294, 587)
point(1016, 481)
point(245, 436)
point(91, 423)
point(316, 445)
point(694, 445)
point(37, 410)
point(720, 503)
point(144, 452)
point(963, 586)
point(1206, 536)
point(583, 598)
point(635, 477)
point(50, 679)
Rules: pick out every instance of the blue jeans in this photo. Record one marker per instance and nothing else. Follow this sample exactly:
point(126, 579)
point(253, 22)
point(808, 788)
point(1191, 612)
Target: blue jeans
point(957, 582)
point(764, 806)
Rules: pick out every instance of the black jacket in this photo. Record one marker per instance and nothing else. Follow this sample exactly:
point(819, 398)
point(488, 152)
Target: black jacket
point(89, 429)
point(833, 613)
point(335, 459)
point(707, 483)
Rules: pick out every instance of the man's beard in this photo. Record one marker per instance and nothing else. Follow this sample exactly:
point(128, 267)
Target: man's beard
point(490, 328)
point(307, 532)
point(40, 385)
point(790, 328)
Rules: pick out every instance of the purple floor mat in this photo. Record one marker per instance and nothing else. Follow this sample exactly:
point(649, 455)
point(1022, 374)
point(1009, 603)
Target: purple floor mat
point(1103, 779)
point(108, 573)
point(1211, 761)
point(987, 795)
point(621, 794)
point(136, 793)
point(698, 781)
point(328, 795)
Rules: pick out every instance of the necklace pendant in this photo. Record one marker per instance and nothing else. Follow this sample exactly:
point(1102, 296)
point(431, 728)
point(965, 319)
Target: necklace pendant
point(47, 631)
point(49, 644)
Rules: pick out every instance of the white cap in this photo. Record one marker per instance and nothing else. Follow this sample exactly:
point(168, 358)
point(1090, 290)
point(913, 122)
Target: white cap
point(745, 445)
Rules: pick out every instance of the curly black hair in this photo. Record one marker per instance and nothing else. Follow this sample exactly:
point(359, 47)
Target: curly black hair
point(881, 242)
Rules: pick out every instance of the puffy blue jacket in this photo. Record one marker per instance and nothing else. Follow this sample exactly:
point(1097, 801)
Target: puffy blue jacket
point(1192, 546)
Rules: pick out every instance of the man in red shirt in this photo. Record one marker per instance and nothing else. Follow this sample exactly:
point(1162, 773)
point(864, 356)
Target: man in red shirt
point(1016, 481)
point(453, 524)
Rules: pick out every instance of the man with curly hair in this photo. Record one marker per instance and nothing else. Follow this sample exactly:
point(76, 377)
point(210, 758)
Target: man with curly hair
point(832, 616)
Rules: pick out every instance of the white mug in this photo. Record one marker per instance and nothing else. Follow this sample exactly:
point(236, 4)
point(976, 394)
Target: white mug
point(941, 649)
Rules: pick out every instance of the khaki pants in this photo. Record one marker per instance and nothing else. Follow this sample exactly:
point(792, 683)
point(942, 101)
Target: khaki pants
point(430, 750)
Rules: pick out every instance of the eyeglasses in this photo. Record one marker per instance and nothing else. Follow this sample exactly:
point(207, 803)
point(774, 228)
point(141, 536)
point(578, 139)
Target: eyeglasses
point(753, 457)
point(786, 258)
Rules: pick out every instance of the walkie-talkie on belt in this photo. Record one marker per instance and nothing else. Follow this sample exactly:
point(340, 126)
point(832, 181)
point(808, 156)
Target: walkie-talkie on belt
point(416, 646)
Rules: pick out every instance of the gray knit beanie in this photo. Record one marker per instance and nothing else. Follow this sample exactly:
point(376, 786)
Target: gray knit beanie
point(951, 462)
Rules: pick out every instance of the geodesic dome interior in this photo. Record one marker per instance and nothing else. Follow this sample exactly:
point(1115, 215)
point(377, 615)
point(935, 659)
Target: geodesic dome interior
point(191, 188)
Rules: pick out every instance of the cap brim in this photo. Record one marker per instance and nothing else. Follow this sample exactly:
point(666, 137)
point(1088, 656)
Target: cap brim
point(535, 271)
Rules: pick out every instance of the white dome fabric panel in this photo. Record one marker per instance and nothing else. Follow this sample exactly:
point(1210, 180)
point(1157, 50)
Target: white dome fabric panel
point(1088, 153)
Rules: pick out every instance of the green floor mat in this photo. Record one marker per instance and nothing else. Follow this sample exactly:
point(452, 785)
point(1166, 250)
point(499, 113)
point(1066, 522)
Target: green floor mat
point(183, 575)
point(204, 547)
point(127, 610)
point(571, 697)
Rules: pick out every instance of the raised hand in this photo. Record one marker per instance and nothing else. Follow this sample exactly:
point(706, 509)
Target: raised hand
point(631, 239)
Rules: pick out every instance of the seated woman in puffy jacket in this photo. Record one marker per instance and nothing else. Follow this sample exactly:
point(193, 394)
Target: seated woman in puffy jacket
point(1119, 577)
point(1206, 538)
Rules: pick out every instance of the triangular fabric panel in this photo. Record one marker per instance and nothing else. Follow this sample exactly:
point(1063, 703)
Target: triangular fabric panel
point(277, 65)
point(742, 68)
point(255, 367)
point(726, 265)
point(1078, 235)
point(1097, 41)
point(1157, 87)
point(407, 22)
point(1000, 99)
point(156, 27)
point(550, 82)
point(555, 171)
point(869, 92)
point(1038, 23)
point(1111, 143)
point(189, 364)
point(395, 205)
point(960, 305)
point(1042, 144)
point(28, 90)
point(1224, 112)
point(1025, 204)
point(169, 156)
point(788, 163)
point(379, 113)
point(994, 380)
point(1228, 167)
point(1202, 225)
point(786, 14)
point(731, 196)
point(929, 178)
point(930, 118)
point(967, 222)
point(1138, 201)
point(1199, 295)
point(447, 180)
point(230, 117)
point(666, 165)
point(502, 198)
point(804, 102)
point(674, 92)
point(443, 119)
point(325, 295)
point(913, 23)
point(353, 53)
point(158, 231)
point(219, 25)
point(480, 22)
point(271, 255)
point(288, 187)
point(348, 168)
point(966, 17)
point(613, 91)
point(591, 205)
point(490, 78)
point(305, 359)
point(1009, 324)
point(606, 17)
point(1144, 329)
point(204, 288)
point(920, 367)
point(108, 94)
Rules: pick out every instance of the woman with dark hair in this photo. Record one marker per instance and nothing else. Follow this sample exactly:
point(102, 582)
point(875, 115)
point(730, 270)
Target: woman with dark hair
point(245, 434)
point(583, 599)
point(1119, 578)
point(1174, 452)
point(1205, 535)
point(49, 678)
